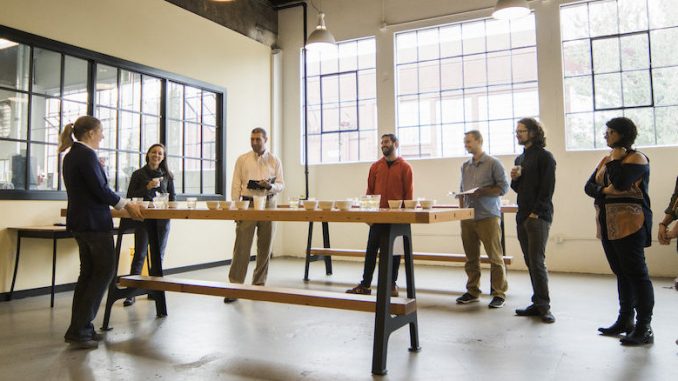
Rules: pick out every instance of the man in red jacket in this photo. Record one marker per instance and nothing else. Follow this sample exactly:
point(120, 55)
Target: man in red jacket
point(390, 177)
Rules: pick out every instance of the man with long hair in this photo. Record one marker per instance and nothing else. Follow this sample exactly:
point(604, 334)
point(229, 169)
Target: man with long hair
point(533, 178)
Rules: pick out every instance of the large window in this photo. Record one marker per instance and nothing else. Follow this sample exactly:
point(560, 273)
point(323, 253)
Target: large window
point(43, 88)
point(475, 75)
point(342, 103)
point(619, 58)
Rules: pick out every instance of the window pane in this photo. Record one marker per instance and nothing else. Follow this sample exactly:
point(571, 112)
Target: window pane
point(523, 32)
point(578, 94)
point(366, 53)
point(579, 131)
point(348, 116)
point(499, 68)
point(75, 79)
point(368, 115)
point(576, 58)
point(473, 34)
point(312, 63)
point(643, 118)
point(428, 108)
point(330, 117)
point(498, 35)
point(667, 133)
point(429, 141)
point(313, 119)
point(451, 74)
point(475, 104)
point(348, 56)
point(44, 161)
point(130, 90)
point(107, 159)
point(665, 83)
point(408, 82)
point(175, 101)
point(176, 166)
point(349, 143)
point(526, 100)
point(663, 13)
point(452, 107)
point(330, 148)
point(524, 64)
point(46, 72)
point(453, 138)
point(14, 63)
point(664, 52)
point(329, 60)
point(368, 145)
point(314, 149)
point(637, 89)
point(209, 108)
point(606, 55)
point(427, 44)
point(175, 139)
point(409, 141)
point(313, 89)
point(406, 47)
point(45, 119)
point(151, 95)
point(150, 129)
point(603, 18)
point(209, 142)
point(608, 90)
point(129, 162)
point(109, 122)
point(574, 22)
point(408, 111)
point(500, 99)
point(367, 84)
point(429, 76)
point(192, 176)
point(475, 72)
point(348, 90)
point(193, 106)
point(107, 86)
point(501, 137)
point(13, 166)
point(192, 140)
point(209, 177)
point(633, 15)
point(13, 114)
point(330, 89)
point(450, 41)
point(130, 134)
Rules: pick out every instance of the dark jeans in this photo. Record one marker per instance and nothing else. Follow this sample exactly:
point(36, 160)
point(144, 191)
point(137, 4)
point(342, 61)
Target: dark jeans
point(626, 257)
point(373, 242)
point(533, 233)
point(97, 267)
point(155, 234)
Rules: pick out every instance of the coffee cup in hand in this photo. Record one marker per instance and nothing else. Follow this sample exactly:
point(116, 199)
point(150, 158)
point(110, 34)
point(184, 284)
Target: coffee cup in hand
point(516, 171)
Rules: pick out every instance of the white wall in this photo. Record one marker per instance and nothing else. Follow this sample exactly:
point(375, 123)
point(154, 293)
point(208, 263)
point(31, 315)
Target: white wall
point(161, 35)
point(572, 246)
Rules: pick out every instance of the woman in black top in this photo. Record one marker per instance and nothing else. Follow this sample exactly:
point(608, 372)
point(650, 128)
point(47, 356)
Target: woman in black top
point(619, 187)
point(146, 182)
point(665, 234)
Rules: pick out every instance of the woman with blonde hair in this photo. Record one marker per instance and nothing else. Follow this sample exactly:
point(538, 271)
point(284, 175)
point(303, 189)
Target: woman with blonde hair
point(89, 218)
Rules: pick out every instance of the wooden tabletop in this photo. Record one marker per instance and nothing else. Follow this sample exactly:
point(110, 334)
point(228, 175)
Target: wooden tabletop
point(384, 216)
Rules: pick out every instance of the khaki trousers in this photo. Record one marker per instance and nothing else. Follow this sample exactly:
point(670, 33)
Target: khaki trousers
point(244, 235)
point(488, 232)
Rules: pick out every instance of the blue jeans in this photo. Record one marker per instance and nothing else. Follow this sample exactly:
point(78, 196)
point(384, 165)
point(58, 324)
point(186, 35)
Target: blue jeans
point(155, 234)
point(533, 233)
point(97, 267)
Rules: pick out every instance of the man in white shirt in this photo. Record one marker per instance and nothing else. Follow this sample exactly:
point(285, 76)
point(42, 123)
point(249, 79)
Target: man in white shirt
point(256, 173)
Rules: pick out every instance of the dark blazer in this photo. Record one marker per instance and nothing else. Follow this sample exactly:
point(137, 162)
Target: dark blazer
point(89, 197)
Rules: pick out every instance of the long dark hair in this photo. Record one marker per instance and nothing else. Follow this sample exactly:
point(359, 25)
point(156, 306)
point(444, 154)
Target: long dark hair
point(163, 163)
point(535, 131)
point(78, 130)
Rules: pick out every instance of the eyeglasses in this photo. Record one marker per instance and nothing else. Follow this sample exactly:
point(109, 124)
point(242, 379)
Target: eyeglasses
point(521, 131)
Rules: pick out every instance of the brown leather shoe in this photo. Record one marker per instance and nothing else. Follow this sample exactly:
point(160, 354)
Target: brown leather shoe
point(360, 290)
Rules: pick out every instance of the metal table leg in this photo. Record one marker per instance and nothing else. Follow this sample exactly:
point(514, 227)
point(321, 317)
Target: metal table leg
point(16, 264)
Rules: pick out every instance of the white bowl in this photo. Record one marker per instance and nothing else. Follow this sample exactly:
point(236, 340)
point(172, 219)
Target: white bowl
point(410, 204)
point(226, 204)
point(326, 205)
point(212, 205)
point(172, 204)
point(310, 204)
point(427, 204)
point(395, 204)
point(242, 205)
point(343, 204)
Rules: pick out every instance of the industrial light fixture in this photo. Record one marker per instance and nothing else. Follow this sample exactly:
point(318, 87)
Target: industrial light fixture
point(320, 38)
point(510, 9)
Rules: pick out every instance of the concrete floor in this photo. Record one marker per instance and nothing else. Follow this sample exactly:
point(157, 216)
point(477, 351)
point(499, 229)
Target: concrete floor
point(204, 339)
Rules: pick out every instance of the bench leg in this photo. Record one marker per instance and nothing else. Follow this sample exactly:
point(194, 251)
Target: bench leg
point(54, 255)
point(16, 265)
point(384, 323)
point(309, 242)
point(326, 244)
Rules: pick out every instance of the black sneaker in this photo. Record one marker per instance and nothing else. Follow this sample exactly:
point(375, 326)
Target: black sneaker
point(497, 302)
point(229, 300)
point(466, 299)
point(128, 301)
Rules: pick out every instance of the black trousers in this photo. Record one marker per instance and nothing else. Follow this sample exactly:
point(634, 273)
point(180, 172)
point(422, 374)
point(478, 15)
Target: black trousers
point(626, 257)
point(97, 267)
point(373, 241)
point(533, 234)
point(155, 233)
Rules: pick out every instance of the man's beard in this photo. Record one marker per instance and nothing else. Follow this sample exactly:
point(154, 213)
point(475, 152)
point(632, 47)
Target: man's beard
point(387, 151)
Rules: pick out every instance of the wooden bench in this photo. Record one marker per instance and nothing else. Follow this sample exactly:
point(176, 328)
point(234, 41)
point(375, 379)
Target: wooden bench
point(366, 303)
point(442, 257)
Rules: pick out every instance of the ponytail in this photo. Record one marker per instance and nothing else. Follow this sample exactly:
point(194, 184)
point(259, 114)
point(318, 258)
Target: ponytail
point(78, 130)
point(66, 138)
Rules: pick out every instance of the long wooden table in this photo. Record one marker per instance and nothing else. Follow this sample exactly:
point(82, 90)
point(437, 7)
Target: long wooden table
point(397, 223)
